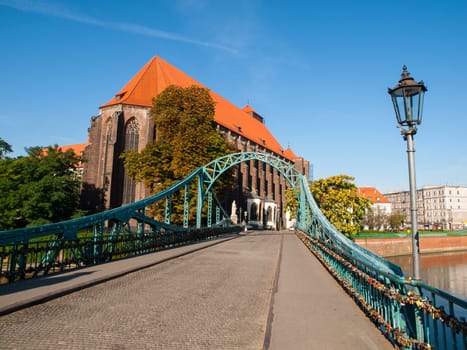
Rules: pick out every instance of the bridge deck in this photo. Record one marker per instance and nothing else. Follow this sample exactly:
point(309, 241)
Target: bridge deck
point(311, 311)
point(261, 290)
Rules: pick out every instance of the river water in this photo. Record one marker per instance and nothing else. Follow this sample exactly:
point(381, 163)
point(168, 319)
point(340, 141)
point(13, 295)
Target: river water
point(446, 271)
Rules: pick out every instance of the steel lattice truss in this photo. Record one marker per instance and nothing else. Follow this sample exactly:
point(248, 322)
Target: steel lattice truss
point(398, 306)
point(135, 219)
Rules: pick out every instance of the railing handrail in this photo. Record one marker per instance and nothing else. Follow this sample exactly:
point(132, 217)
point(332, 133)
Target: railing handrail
point(360, 268)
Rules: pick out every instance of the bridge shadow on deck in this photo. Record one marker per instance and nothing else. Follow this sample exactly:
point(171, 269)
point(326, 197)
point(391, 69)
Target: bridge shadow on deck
point(308, 309)
point(23, 294)
point(43, 281)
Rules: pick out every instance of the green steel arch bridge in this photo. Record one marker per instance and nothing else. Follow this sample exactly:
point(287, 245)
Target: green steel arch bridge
point(411, 314)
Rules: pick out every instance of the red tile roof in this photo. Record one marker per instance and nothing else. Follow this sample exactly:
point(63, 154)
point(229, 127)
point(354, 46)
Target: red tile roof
point(373, 195)
point(78, 148)
point(290, 154)
point(157, 74)
point(248, 109)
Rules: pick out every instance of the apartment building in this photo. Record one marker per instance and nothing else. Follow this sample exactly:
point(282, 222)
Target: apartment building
point(438, 207)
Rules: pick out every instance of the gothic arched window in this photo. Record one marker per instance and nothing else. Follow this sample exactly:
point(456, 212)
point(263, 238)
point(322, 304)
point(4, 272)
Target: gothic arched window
point(269, 214)
point(107, 142)
point(131, 143)
point(254, 212)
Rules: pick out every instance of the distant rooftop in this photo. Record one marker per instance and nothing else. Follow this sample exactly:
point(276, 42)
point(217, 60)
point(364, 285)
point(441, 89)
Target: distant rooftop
point(372, 194)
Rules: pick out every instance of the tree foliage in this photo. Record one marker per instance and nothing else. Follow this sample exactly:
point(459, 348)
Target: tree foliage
point(291, 201)
point(186, 139)
point(376, 219)
point(396, 220)
point(5, 148)
point(338, 199)
point(39, 188)
point(379, 220)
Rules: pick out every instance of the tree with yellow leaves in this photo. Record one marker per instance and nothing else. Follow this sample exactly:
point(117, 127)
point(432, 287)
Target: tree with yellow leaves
point(338, 199)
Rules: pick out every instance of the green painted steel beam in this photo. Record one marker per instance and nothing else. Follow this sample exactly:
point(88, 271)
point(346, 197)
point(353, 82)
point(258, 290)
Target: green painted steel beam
point(108, 231)
point(209, 216)
point(186, 205)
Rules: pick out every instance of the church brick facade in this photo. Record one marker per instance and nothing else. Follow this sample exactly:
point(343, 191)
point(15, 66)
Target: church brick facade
point(124, 123)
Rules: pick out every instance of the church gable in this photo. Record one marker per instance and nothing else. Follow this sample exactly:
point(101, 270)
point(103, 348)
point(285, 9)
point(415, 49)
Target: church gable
point(157, 75)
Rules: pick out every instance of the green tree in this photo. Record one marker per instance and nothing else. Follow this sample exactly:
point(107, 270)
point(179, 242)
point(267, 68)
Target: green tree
point(291, 201)
point(39, 188)
point(5, 148)
point(375, 219)
point(186, 140)
point(338, 199)
point(395, 220)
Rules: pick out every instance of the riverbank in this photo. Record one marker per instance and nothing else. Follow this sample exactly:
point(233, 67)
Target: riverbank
point(400, 244)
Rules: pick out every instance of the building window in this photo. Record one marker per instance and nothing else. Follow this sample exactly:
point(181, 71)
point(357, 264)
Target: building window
point(269, 214)
point(254, 212)
point(130, 143)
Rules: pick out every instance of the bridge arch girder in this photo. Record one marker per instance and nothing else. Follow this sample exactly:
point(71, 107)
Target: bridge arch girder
point(211, 172)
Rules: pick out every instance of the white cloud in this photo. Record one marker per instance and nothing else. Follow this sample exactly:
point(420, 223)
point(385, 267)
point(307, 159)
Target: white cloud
point(50, 9)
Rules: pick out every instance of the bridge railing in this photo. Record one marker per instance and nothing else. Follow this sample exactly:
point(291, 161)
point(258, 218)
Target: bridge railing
point(120, 232)
point(46, 255)
point(412, 314)
point(444, 317)
point(130, 229)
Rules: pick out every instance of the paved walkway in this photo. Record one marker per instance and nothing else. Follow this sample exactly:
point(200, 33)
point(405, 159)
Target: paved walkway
point(263, 290)
point(311, 311)
point(23, 294)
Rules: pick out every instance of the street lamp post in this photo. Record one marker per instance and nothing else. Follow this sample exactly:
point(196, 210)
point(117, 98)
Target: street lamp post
point(407, 98)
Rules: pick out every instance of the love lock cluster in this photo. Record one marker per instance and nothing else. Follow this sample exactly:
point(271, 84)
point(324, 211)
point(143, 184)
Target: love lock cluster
point(398, 335)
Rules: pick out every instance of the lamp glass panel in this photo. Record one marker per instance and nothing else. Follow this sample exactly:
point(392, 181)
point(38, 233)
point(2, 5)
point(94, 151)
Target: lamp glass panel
point(396, 108)
point(401, 107)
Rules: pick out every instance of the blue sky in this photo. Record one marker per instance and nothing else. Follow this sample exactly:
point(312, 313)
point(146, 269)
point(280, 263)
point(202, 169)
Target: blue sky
point(318, 71)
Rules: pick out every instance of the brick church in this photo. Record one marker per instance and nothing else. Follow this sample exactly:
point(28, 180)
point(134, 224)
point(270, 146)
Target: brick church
point(124, 123)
